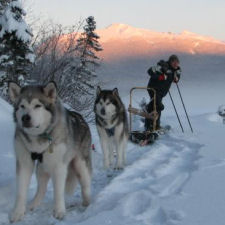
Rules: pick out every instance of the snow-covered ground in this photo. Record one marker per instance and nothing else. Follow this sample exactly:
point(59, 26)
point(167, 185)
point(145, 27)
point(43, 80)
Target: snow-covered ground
point(179, 180)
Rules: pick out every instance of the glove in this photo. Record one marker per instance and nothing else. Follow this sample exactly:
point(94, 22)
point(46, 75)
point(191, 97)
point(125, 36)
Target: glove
point(162, 77)
point(176, 79)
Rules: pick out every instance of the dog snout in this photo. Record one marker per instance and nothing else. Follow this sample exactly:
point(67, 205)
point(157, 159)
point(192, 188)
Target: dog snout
point(26, 120)
point(103, 111)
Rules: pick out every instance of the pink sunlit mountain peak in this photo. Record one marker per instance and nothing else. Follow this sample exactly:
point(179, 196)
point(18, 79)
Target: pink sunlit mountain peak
point(122, 40)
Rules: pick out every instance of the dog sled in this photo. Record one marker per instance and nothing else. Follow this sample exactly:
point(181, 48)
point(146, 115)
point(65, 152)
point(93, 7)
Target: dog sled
point(144, 137)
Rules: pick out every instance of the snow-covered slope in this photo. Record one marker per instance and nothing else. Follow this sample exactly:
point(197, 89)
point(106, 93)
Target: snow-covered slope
point(178, 180)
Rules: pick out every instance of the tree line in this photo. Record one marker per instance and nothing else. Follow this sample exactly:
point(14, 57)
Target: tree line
point(55, 53)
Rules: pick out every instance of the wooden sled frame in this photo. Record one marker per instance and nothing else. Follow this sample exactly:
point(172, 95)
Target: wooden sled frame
point(153, 115)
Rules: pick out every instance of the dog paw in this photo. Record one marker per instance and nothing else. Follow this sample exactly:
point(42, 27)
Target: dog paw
point(16, 215)
point(109, 172)
point(33, 205)
point(118, 168)
point(59, 214)
point(86, 203)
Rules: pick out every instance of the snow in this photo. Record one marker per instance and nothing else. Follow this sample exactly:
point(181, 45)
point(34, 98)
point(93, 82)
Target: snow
point(10, 23)
point(30, 57)
point(121, 42)
point(188, 34)
point(177, 180)
point(121, 31)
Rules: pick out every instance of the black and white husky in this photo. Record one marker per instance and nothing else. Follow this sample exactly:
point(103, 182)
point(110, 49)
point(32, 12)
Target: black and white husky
point(112, 126)
point(57, 139)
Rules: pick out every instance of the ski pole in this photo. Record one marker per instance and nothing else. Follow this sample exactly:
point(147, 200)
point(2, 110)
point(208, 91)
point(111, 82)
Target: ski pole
point(184, 107)
point(176, 113)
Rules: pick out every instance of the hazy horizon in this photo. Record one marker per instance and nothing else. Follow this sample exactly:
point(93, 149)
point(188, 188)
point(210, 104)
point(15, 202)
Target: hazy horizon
point(202, 17)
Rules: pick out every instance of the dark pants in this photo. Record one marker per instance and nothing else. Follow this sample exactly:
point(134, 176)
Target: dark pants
point(150, 108)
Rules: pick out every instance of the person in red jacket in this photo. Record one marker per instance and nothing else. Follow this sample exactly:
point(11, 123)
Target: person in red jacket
point(161, 77)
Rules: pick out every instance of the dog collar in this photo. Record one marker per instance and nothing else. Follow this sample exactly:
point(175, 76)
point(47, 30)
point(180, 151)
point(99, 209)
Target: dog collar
point(39, 156)
point(46, 136)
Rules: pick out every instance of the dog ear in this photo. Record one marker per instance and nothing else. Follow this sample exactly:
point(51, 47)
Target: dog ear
point(98, 91)
point(14, 91)
point(115, 91)
point(50, 90)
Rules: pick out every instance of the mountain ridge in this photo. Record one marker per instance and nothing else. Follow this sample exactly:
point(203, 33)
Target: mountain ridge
point(124, 29)
point(124, 41)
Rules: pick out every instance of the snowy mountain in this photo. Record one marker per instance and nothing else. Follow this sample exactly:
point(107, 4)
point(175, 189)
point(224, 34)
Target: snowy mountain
point(123, 41)
point(128, 53)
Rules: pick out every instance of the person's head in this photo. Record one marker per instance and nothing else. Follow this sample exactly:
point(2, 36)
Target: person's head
point(174, 61)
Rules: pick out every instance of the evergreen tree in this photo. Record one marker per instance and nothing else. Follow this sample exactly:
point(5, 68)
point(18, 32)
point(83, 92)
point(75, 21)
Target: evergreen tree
point(87, 46)
point(15, 37)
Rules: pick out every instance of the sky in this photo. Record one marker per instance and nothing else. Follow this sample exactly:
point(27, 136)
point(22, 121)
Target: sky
point(205, 17)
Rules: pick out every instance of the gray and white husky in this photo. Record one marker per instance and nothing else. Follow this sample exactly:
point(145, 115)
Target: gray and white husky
point(57, 139)
point(112, 126)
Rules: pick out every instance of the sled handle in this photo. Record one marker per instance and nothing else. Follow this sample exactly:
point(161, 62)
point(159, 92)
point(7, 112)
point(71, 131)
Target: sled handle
point(154, 104)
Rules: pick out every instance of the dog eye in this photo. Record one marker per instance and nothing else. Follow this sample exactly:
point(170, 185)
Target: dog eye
point(22, 106)
point(37, 106)
point(107, 103)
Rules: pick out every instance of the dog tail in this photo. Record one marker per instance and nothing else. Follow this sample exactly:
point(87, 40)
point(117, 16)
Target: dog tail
point(71, 180)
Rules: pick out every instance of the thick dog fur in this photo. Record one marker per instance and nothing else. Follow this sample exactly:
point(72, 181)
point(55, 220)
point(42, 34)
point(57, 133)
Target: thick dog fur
point(62, 138)
point(112, 126)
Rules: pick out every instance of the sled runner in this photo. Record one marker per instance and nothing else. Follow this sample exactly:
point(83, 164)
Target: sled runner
point(143, 137)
